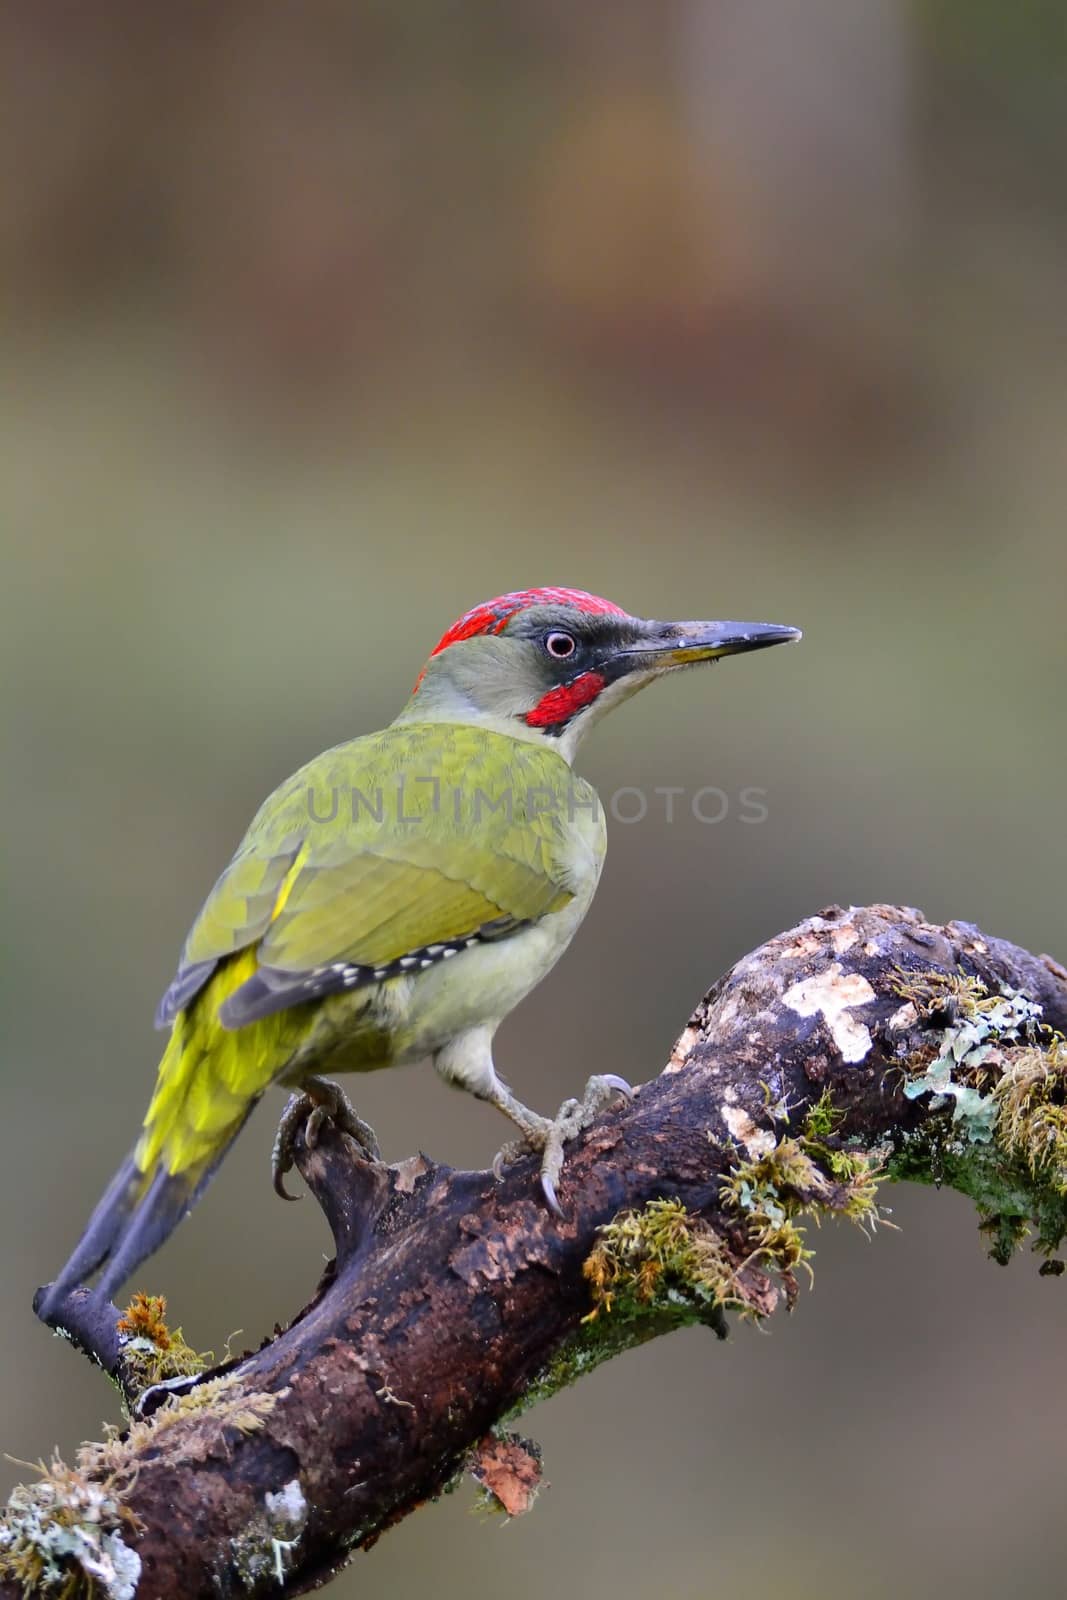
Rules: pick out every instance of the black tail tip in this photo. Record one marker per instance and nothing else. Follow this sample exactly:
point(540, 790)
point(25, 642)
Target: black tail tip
point(46, 1303)
point(86, 1318)
point(64, 1306)
point(54, 1304)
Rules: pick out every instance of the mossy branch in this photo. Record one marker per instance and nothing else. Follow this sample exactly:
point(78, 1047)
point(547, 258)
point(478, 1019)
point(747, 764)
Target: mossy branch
point(861, 1047)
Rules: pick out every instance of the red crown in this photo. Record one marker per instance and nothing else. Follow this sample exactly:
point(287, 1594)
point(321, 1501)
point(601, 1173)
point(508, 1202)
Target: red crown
point(493, 616)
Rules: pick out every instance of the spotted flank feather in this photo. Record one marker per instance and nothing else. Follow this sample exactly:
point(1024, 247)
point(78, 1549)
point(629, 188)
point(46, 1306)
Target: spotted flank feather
point(269, 991)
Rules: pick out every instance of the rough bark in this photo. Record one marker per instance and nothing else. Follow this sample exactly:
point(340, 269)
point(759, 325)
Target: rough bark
point(455, 1299)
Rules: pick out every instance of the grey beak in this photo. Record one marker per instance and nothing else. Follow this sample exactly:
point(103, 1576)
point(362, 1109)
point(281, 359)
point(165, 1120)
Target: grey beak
point(677, 644)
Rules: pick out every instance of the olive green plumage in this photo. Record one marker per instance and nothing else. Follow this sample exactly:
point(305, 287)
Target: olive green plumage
point(421, 835)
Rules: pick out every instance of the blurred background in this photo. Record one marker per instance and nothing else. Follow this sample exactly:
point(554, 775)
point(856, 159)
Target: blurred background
point(323, 323)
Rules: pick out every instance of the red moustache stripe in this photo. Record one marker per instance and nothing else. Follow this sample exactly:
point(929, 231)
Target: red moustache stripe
point(559, 705)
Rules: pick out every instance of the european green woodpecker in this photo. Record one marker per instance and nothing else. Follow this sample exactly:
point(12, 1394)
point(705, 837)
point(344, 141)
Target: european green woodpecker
point(393, 901)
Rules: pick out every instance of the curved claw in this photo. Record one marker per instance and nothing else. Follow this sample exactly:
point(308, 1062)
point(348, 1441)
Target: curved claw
point(319, 1103)
point(552, 1137)
point(281, 1157)
point(279, 1187)
point(548, 1189)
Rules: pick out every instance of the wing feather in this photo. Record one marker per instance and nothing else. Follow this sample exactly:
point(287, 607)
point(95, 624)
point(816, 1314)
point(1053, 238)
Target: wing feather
point(330, 896)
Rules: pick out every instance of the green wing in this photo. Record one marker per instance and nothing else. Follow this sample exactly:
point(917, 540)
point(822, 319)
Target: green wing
point(382, 856)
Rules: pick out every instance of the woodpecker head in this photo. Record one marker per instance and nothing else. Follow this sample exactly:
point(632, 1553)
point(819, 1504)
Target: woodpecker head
point(547, 663)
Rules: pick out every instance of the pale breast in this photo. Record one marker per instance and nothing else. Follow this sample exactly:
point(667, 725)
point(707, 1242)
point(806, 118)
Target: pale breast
point(410, 1017)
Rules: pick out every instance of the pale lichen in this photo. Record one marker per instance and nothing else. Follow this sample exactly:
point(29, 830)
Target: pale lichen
point(834, 994)
point(742, 1129)
point(974, 1021)
point(265, 1546)
point(71, 1535)
point(1003, 1071)
point(67, 1534)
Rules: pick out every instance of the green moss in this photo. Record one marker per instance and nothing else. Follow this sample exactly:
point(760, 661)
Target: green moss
point(858, 1175)
point(823, 1118)
point(597, 1340)
point(650, 1272)
point(941, 995)
point(152, 1352)
point(661, 1259)
point(1010, 1200)
point(1005, 1234)
point(1032, 1121)
point(186, 1427)
point(664, 1266)
point(768, 1193)
point(1031, 1136)
point(798, 1178)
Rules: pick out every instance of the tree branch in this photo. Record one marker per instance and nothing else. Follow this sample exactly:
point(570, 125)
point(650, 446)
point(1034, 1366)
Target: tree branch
point(858, 1046)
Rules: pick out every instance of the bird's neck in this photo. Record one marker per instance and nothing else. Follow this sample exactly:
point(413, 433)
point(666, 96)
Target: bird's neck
point(463, 689)
point(427, 708)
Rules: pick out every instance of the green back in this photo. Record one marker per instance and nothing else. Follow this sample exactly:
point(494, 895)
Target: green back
point(423, 834)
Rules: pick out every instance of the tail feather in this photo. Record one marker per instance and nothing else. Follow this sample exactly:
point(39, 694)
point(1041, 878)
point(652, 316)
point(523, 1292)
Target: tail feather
point(169, 1198)
point(209, 1081)
point(137, 1214)
point(166, 1202)
point(118, 1204)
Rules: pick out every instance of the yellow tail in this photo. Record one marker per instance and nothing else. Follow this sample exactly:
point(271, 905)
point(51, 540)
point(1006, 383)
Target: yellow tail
point(209, 1081)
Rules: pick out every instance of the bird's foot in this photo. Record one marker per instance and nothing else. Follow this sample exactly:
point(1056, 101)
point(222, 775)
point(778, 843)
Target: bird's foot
point(550, 1137)
point(318, 1102)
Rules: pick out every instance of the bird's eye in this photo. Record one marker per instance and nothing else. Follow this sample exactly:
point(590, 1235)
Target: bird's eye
point(560, 645)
